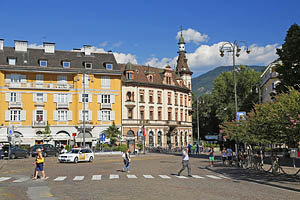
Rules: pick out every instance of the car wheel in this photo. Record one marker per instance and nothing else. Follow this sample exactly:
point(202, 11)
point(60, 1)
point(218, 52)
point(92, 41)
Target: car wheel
point(45, 154)
point(26, 155)
point(91, 159)
point(75, 160)
point(12, 156)
point(56, 154)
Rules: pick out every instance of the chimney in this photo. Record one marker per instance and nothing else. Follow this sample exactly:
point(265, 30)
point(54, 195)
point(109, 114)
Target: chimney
point(21, 45)
point(49, 47)
point(1, 44)
point(87, 50)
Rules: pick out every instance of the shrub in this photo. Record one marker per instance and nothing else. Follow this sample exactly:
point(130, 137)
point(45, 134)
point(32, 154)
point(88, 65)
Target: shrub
point(106, 147)
point(123, 148)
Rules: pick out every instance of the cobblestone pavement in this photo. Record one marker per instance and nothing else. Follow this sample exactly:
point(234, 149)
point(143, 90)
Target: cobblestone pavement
point(151, 177)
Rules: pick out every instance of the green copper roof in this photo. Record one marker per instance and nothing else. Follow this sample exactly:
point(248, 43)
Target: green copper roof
point(181, 40)
point(128, 66)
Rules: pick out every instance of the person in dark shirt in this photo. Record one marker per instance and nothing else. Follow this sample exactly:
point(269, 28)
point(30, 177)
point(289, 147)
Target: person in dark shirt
point(211, 156)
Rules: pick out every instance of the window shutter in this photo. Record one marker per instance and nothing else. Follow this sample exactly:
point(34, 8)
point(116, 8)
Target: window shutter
point(80, 115)
point(55, 115)
point(34, 97)
point(102, 82)
point(23, 78)
point(98, 115)
point(90, 97)
point(70, 115)
point(7, 115)
point(99, 96)
point(112, 115)
point(23, 115)
point(44, 97)
point(33, 115)
point(69, 98)
point(45, 115)
point(90, 115)
point(108, 82)
point(55, 98)
point(18, 97)
point(112, 98)
point(80, 97)
point(7, 96)
point(7, 78)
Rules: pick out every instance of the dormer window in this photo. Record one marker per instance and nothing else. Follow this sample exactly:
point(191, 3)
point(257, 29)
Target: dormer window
point(150, 78)
point(43, 63)
point(12, 61)
point(129, 75)
point(66, 64)
point(88, 65)
point(109, 66)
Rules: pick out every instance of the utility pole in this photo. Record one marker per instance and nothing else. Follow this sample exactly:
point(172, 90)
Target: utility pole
point(84, 101)
point(198, 126)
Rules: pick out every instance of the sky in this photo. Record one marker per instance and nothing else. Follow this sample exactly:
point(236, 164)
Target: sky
point(147, 31)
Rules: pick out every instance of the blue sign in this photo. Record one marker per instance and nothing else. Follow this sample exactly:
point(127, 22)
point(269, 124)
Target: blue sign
point(102, 137)
point(241, 116)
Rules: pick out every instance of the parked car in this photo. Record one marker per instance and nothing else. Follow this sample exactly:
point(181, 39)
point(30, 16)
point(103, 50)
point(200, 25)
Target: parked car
point(47, 150)
point(77, 155)
point(15, 152)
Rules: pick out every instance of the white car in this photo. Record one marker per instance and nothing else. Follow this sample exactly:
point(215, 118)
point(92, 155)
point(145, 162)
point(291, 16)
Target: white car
point(77, 155)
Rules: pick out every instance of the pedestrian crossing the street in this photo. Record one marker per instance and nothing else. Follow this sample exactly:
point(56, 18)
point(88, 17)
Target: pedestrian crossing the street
point(100, 177)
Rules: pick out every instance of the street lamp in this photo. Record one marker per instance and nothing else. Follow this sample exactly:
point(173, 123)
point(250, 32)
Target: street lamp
point(84, 101)
point(235, 49)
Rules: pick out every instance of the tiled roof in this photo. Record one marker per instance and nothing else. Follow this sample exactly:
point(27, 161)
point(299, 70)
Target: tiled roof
point(31, 59)
point(182, 65)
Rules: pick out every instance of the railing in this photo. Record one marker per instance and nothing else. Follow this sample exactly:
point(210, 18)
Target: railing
point(47, 86)
point(39, 123)
point(269, 76)
point(106, 105)
point(62, 105)
point(15, 105)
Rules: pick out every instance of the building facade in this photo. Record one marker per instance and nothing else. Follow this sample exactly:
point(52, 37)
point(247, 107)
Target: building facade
point(59, 88)
point(269, 81)
point(157, 104)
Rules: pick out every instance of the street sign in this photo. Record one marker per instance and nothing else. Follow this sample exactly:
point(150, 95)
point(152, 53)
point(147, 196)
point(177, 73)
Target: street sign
point(73, 134)
point(10, 130)
point(241, 116)
point(102, 137)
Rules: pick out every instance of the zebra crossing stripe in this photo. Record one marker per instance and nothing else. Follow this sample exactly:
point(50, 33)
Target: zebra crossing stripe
point(196, 176)
point(113, 176)
point(131, 176)
point(60, 178)
point(222, 176)
point(96, 177)
point(148, 176)
point(21, 180)
point(164, 176)
point(78, 178)
point(182, 177)
point(4, 178)
point(213, 177)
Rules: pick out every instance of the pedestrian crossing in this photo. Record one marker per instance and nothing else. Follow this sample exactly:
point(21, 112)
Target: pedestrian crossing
point(100, 177)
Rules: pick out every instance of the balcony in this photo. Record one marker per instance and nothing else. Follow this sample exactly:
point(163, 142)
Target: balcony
point(15, 105)
point(130, 104)
point(40, 86)
point(106, 106)
point(39, 123)
point(63, 105)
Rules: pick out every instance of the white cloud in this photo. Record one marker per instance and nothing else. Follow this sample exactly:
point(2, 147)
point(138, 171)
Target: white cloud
point(207, 57)
point(191, 35)
point(35, 46)
point(125, 58)
point(103, 44)
point(117, 44)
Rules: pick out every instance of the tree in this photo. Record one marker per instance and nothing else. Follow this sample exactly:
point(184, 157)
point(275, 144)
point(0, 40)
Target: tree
point(289, 55)
point(47, 131)
point(113, 133)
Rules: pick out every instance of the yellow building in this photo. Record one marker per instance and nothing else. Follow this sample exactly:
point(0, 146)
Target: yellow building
point(40, 86)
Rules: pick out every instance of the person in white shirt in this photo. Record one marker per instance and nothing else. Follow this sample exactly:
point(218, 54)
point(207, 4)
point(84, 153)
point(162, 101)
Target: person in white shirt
point(185, 162)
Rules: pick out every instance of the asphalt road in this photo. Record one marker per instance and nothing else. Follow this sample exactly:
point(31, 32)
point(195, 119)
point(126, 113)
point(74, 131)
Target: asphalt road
point(151, 177)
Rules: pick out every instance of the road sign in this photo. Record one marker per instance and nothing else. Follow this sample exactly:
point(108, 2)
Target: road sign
point(241, 116)
point(73, 134)
point(10, 130)
point(102, 137)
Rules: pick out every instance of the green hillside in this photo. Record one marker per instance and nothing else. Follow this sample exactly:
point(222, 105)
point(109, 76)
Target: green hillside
point(203, 84)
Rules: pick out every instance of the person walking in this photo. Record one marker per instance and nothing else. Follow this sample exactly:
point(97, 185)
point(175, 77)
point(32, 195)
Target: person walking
point(39, 162)
point(193, 148)
point(185, 162)
point(189, 148)
point(224, 156)
point(229, 155)
point(211, 156)
point(126, 160)
point(197, 149)
point(1, 151)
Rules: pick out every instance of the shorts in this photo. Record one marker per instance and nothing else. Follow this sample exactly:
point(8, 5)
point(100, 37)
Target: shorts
point(211, 158)
point(39, 167)
point(223, 158)
point(229, 157)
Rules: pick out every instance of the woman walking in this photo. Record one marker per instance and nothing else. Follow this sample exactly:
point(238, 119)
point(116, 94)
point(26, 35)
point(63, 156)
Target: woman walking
point(126, 160)
point(211, 156)
point(39, 163)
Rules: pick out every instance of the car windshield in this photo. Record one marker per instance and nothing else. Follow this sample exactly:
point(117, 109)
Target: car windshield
point(37, 147)
point(74, 151)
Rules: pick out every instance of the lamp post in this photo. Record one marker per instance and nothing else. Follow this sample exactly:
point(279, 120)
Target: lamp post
point(84, 100)
point(235, 49)
point(198, 127)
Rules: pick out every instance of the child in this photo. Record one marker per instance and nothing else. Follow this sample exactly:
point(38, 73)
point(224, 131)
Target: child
point(39, 162)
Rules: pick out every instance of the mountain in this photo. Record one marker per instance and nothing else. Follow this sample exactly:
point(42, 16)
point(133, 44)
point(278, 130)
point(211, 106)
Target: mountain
point(203, 84)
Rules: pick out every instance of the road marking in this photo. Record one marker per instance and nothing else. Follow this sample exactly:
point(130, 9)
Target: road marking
point(114, 176)
point(164, 176)
point(182, 177)
point(196, 176)
point(78, 178)
point(4, 178)
point(213, 177)
point(60, 178)
point(131, 176)
point(148, 176)
point(21, 180)
point(96, 177)
point(222, 176)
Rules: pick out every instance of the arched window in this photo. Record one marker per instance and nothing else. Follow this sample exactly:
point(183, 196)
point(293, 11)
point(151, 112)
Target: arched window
point(176, 140)
point(151, 143)
point(128, 96)
point(159, 142)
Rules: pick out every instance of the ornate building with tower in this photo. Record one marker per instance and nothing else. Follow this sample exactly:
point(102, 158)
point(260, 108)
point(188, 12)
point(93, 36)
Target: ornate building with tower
point(157, 104)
